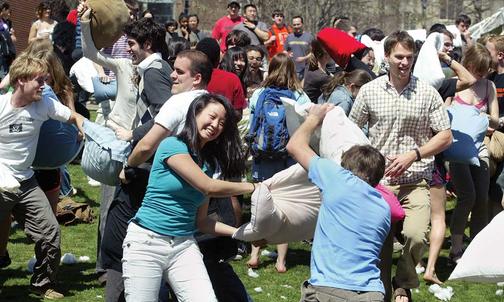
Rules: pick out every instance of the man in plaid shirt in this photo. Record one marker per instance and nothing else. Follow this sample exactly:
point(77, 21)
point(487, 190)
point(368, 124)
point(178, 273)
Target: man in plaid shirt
point(409, 125)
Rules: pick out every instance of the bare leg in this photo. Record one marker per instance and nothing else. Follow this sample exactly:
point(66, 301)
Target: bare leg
point(437, 234)
point(254, 261)
point(282, 255)
point(53, 197)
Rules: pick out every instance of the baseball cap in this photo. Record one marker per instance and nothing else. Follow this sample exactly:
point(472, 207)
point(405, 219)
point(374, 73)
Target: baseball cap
point(233, 3)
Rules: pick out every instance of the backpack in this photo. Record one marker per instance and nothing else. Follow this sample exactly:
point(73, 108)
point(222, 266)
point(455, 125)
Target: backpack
point(268, 134)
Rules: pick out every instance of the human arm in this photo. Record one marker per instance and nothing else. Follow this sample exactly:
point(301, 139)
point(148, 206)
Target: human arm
point(185, 167)
point(299, 144)
point(77, 120)
point(208, 225)
point(89, 49)
point(260, 33)
point(32, 36)
point(148, 145)
point(465, 78)
point(493, 106)
point(13, 35)
point(401, 162)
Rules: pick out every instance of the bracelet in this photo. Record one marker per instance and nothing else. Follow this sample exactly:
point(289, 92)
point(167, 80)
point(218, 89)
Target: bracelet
point(418, 157)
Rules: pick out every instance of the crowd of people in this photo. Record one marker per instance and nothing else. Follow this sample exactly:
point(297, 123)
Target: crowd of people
point(202, 110)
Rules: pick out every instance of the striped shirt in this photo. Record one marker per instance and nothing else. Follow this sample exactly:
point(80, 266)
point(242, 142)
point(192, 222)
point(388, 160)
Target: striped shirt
point(401, 122)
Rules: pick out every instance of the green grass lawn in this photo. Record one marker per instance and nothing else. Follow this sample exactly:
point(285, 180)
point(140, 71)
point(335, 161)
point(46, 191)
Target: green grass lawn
point(78, 282)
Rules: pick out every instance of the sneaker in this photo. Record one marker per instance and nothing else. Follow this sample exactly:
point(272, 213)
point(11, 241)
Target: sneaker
point(93, 183)
point(49, 294)
point(5, 260)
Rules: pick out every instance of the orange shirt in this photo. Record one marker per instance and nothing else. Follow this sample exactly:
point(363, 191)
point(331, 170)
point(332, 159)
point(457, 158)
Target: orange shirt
point(281, 35)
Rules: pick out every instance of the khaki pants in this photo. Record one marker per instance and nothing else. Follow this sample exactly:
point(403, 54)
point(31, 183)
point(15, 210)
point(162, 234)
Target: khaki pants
point(415, 200)
point(310, 293)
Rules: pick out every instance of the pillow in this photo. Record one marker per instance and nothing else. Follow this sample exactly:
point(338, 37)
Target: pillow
point(482, 260)
point(496, 146)
point(428, 67)
point(84, 71)
point(469, 129)
point(339, 45)
point(55, 133)
point(396, 211)
point(338, 134)
point(104, 154)
point(108, 18)
point(104, 91)
point(295, 114)
point(284, 208)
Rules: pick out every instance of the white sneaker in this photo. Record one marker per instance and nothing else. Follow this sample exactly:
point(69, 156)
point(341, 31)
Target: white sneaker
point(93, 183)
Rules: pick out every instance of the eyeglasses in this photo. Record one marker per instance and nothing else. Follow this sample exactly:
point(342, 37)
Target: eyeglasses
point(258, 59)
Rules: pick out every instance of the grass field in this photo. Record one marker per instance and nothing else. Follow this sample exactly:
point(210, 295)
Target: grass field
point(78, 282)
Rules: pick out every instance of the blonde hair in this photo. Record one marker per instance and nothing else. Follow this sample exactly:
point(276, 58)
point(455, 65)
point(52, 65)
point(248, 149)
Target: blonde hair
point(498, 42)
point(477, 59)
point(59, 82)
point(282, 73)
point(25, 67)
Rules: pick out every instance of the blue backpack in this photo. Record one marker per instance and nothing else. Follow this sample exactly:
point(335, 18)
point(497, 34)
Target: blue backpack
point(268, 134)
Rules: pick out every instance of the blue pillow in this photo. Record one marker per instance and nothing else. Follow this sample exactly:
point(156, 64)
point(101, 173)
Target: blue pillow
point(104, 91)
point(57, 144)
point(104, 154)
point(469, 128)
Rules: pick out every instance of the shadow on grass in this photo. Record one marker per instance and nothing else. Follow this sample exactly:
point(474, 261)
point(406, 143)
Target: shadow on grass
point(71, 278)
point(85, 197)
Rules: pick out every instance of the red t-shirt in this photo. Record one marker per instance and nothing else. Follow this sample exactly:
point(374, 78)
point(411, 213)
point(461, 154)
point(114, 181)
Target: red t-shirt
point(281, 35)
point(222, 28)
point(228, 85)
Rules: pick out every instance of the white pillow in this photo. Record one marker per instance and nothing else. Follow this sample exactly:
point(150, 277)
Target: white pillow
point(295, 116)
point(284, 208)
point(339, 134)
point(482, 261)
point(428, 67)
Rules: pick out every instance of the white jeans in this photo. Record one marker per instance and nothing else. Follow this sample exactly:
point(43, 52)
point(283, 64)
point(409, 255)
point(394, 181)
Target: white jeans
point(148, 258)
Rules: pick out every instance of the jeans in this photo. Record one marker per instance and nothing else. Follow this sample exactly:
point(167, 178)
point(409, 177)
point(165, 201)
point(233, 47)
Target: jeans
point(148, 258)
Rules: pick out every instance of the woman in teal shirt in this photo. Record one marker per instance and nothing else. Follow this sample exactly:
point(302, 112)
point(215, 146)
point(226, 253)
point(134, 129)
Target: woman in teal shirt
point(159, 244)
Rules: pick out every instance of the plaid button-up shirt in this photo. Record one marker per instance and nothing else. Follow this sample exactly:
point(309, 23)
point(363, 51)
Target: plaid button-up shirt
point(401, 122)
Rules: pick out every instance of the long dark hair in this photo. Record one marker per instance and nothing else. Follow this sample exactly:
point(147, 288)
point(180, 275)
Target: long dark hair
point(227, 64)
point(226, 150)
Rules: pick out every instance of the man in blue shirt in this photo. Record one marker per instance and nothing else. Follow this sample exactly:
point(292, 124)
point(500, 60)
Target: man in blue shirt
point(353, 222)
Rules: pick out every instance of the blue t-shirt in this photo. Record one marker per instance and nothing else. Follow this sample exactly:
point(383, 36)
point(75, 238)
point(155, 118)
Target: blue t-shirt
point(170, 203)
point(353, 223)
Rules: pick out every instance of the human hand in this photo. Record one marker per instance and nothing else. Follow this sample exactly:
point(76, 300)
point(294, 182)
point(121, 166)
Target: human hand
point(123, 134)
point(249, 25)
point(122, 177)
point(104, 79)
point(443, 56)
point(84, 11)
point(318, 112)
point(399, 163)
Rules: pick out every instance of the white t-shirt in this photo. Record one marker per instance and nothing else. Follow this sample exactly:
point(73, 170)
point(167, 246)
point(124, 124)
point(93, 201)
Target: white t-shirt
point(19, 131)
point(172, 114)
